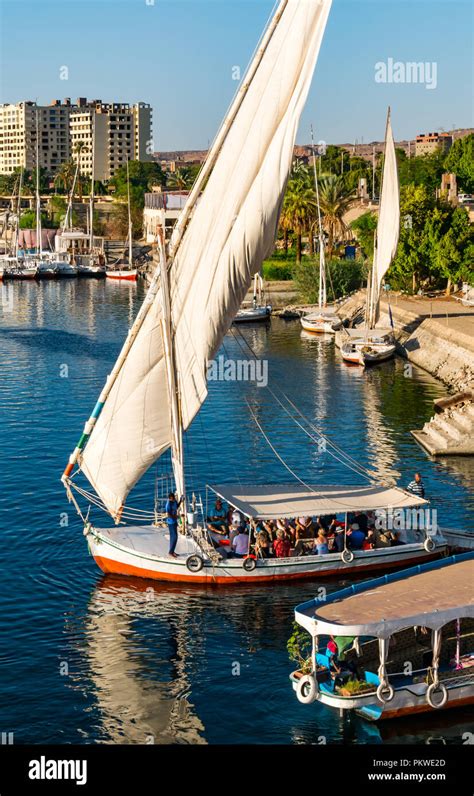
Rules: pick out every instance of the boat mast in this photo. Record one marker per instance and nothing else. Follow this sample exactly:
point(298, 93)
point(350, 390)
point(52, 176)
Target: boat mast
point(91, 195)
point(177, 235)
point(130, 240)
point(171, 372)
point(322, 263)
point(18, 215)
point(71, 197)
point(38, 198)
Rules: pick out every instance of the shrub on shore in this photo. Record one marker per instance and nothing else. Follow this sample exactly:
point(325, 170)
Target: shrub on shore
point(343, 277)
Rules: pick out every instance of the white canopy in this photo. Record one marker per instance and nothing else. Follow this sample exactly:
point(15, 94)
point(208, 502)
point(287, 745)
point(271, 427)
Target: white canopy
point(430, 598)
point(293, 500)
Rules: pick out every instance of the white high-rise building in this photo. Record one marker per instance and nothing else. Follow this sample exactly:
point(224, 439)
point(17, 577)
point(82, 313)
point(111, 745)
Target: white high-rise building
point(113, 132)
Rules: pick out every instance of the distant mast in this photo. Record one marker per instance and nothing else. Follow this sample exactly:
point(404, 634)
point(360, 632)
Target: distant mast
point(322, 261)
point(130, 240)
point(38, 198)
point(91, 196)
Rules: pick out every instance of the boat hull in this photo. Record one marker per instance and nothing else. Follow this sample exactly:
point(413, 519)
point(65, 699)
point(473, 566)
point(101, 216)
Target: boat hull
point(113, 553)
point(254, 315)
point(122, 275)
point(318, 326)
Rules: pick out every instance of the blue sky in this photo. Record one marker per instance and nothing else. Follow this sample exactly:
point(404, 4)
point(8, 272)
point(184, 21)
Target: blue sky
point(179, 54)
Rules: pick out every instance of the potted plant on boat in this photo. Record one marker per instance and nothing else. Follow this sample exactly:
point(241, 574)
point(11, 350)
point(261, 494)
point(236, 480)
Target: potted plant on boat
point(355, 688)
point(299, 648)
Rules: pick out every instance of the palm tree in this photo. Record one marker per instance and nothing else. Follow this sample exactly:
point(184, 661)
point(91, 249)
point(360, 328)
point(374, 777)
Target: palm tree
point(79, 147)
point(65, 176)
point(181, 179)
point(299, 210)
point(334, 199)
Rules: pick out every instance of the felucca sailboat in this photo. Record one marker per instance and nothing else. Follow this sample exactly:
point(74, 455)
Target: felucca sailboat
point(371, 344)
point(158, 383)
point(324, 320)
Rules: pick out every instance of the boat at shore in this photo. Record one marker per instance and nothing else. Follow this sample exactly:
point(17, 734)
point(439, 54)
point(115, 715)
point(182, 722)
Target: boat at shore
point(260, 309)
point(125, 271)
point(368, 344)
point(400, 645)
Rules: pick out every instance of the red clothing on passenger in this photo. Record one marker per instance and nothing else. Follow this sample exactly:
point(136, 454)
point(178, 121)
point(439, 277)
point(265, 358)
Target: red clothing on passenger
point(282, 548)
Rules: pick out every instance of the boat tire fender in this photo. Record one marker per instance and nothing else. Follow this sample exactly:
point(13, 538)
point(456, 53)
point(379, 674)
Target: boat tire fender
point(429, 544)
point(432, 689)
point(249, 564)
point(306, 689)
point(194, 563)
point(385, 692)
point(347, 556)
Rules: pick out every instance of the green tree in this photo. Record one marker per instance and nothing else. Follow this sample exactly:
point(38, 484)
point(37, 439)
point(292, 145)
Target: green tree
point(364, 228)
point(334, 199)
point(143, 175)
point(180, 180)
point(460, 160)
point(65, 176)
point(299, 210)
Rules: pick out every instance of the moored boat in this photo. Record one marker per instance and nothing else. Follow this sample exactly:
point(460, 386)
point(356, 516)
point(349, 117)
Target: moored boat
point(124, 274)
point(260, 309)
point(396, 646)
point(321, 323)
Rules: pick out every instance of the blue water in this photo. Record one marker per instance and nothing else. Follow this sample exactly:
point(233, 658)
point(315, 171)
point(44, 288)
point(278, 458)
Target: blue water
point(91, 659)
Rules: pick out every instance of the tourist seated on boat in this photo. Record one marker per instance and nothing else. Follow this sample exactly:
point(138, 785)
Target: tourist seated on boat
point(240, 545)
point(336, 536)
point(362, 521)
point(342, 663)
point(355, 537)
point(263, 545)
point(217, 522)
point(378, 539)
point(304, 535)
point(281, 545)
point(321, 546)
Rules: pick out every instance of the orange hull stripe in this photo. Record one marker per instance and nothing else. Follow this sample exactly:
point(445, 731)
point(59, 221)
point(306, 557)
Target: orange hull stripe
point(409, 711)
point(107, 565)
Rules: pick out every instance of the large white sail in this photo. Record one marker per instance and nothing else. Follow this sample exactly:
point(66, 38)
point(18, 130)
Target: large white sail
point(233, 228)
point(388, 227)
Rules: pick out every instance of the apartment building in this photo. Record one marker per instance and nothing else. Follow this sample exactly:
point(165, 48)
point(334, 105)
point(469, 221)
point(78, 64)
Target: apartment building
point(112, 132)
point(18, 126)
point(427, 143)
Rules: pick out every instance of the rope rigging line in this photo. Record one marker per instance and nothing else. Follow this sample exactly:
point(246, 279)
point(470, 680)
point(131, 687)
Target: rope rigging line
point(337, 453)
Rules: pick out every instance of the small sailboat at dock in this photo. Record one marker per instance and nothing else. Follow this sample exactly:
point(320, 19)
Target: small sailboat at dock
point(260, 309)
point(121, 271)
point(369, 344)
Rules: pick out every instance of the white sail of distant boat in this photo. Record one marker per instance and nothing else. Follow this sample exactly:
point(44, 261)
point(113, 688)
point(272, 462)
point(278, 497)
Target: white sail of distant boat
point(372, 344)
point(388, 225)
point(158, 383)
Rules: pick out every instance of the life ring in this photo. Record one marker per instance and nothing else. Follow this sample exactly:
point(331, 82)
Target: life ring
point(249, 564)
point(194, 563)
point(385, 692)
point(306, 689)
point(429, 544)
point(347, 556)
point(432, 689)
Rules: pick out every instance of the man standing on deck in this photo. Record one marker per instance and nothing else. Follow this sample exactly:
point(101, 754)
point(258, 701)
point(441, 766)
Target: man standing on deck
point(171, 509)
point(417, 487)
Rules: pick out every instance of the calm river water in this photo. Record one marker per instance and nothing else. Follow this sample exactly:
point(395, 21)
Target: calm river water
point(91, 659)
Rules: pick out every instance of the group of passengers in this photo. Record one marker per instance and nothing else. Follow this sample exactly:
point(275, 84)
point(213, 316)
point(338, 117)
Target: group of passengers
point(234, 534)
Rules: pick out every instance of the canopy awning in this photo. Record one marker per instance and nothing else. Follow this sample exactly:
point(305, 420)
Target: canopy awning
point(430, 596)
point(290, 500)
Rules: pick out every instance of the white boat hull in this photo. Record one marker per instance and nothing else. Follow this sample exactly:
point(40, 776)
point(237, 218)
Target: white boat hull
point(253, 315)
point(143, 552)
point(320, 325)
